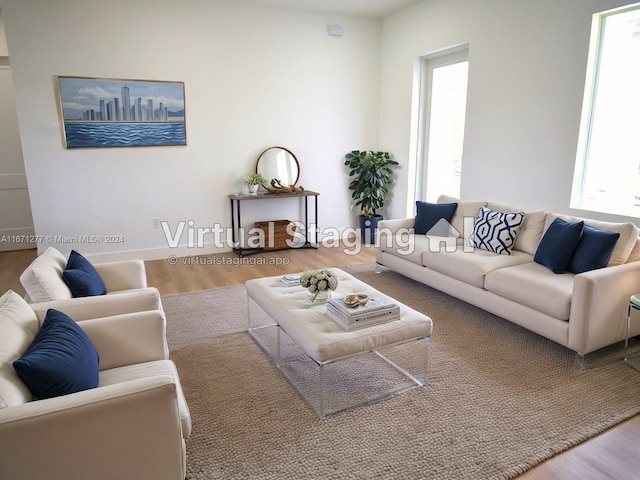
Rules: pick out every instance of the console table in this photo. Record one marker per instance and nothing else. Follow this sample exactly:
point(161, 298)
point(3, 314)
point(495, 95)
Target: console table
point(236, 219)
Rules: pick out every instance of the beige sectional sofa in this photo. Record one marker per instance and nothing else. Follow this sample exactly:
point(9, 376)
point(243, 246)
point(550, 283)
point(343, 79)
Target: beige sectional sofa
point(582, 311)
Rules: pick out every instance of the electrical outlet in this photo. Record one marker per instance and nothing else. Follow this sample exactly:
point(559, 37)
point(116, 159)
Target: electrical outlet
point(156, 222)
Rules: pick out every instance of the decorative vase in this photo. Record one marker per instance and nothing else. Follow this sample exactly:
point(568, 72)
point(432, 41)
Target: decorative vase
point(253, 189)
point(320, 296)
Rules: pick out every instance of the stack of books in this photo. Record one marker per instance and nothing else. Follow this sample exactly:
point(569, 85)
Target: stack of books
point(377, 310)
point(291, 280)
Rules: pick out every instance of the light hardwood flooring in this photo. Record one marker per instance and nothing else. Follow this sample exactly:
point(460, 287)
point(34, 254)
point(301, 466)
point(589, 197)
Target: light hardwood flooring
point(209, 271)
point(613, 455)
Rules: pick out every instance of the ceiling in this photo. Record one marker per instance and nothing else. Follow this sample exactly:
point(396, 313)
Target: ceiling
point(365, 8)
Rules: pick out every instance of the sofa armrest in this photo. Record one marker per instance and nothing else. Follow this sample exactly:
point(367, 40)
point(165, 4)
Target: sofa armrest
point(599, 306)
point(128, 339)
point(123, 275)
point(127, 430)
point(85, 308)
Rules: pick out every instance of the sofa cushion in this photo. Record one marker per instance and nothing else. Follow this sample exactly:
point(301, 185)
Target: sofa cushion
point(429, 218)
point(61, 360)
point(465, 216)
point(496, 231)
point(43, 281)
point(471, 266)
point(558, 244)
point(82, 278)
point(18, 327)
point(149, 369)
point(531, 229)
point(594, 250)
point(535, 286)
point(408, 246)
point(625, 244)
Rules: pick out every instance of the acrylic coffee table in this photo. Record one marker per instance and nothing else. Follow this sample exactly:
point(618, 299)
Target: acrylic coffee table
point(333, 369)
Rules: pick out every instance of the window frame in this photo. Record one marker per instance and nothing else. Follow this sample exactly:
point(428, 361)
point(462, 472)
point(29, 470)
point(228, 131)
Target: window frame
point(589, 103)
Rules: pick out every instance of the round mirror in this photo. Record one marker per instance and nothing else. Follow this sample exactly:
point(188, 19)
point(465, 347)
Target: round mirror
point(279, 163)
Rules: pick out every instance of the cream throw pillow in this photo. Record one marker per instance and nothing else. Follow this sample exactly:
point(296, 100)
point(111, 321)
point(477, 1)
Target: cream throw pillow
point(18, 327)
point(43, 278)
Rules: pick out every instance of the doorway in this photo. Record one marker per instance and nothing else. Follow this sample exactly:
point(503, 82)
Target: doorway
point(16, 221)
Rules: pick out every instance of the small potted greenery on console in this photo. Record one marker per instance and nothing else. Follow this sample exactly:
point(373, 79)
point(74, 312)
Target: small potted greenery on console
point(253, 181)
point(371, 175)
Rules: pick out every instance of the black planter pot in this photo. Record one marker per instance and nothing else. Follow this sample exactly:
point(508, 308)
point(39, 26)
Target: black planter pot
point(369, 228)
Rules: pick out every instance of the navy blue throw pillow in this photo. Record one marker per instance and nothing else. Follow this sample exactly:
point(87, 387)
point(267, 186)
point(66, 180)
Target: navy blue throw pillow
point(429, 214)
point(594, 250)
point(61, 360)
point(82, 278)
point(558, 244)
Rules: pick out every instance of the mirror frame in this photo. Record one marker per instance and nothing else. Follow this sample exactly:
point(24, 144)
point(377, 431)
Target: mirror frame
point(295, 159)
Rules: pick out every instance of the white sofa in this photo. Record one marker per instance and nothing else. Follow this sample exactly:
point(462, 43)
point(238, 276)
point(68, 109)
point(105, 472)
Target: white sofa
point(132, 425)
point(125, 281)
point(583, 312)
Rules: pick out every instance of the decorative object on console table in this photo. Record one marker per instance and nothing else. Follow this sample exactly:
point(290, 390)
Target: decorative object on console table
point(253, 182)
point(278, 234)
point(280, 166)
point(371, 175)
point(320, 283)
point(276, 186)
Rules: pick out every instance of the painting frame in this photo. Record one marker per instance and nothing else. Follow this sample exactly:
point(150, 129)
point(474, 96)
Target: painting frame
point(99, 112)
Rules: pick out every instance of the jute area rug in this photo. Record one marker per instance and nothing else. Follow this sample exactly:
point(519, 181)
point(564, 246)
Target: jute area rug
point(500, 399)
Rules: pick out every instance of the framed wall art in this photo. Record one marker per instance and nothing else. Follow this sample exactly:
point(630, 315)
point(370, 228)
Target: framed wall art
point(103, 112)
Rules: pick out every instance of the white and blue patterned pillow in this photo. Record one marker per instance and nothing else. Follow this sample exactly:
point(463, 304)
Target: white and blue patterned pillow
point(496, 231)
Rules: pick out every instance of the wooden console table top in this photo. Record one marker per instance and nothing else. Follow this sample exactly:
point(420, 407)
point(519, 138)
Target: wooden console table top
point(268, 196)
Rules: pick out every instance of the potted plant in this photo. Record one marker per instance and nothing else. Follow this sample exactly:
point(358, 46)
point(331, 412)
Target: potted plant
point(371, 174)
point(253, 181)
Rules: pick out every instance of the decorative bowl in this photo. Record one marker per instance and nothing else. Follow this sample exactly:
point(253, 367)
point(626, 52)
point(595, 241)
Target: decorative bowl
point(356, 299)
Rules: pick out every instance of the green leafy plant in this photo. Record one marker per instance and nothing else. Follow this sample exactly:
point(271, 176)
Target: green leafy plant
point(255, 179)
point(371, 175)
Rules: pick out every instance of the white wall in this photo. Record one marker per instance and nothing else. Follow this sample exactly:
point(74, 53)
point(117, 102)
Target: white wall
point(254, 77)
point(527, 64)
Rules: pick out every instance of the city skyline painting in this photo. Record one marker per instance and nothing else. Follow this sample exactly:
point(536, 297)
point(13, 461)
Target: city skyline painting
point(102, 112)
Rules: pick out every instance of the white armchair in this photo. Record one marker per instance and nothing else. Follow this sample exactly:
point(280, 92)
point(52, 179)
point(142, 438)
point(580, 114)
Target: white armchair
point(125, 281)
point(133, 425)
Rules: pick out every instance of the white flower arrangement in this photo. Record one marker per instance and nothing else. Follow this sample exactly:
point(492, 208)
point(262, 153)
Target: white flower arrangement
point(318, 280)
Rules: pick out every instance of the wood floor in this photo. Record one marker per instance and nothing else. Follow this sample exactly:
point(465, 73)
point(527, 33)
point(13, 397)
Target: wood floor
point(613, 455)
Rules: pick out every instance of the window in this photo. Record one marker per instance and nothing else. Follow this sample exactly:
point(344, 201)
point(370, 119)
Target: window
point(607, 174)
point(442, 116)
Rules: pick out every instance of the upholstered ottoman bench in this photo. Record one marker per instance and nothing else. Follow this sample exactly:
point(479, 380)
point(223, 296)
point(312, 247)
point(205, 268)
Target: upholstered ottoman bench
point(334, 369)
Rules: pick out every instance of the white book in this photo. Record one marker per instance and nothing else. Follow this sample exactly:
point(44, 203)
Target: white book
point(361, 323)
point(369, 316)
point(375, 304)
point(291, 280)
